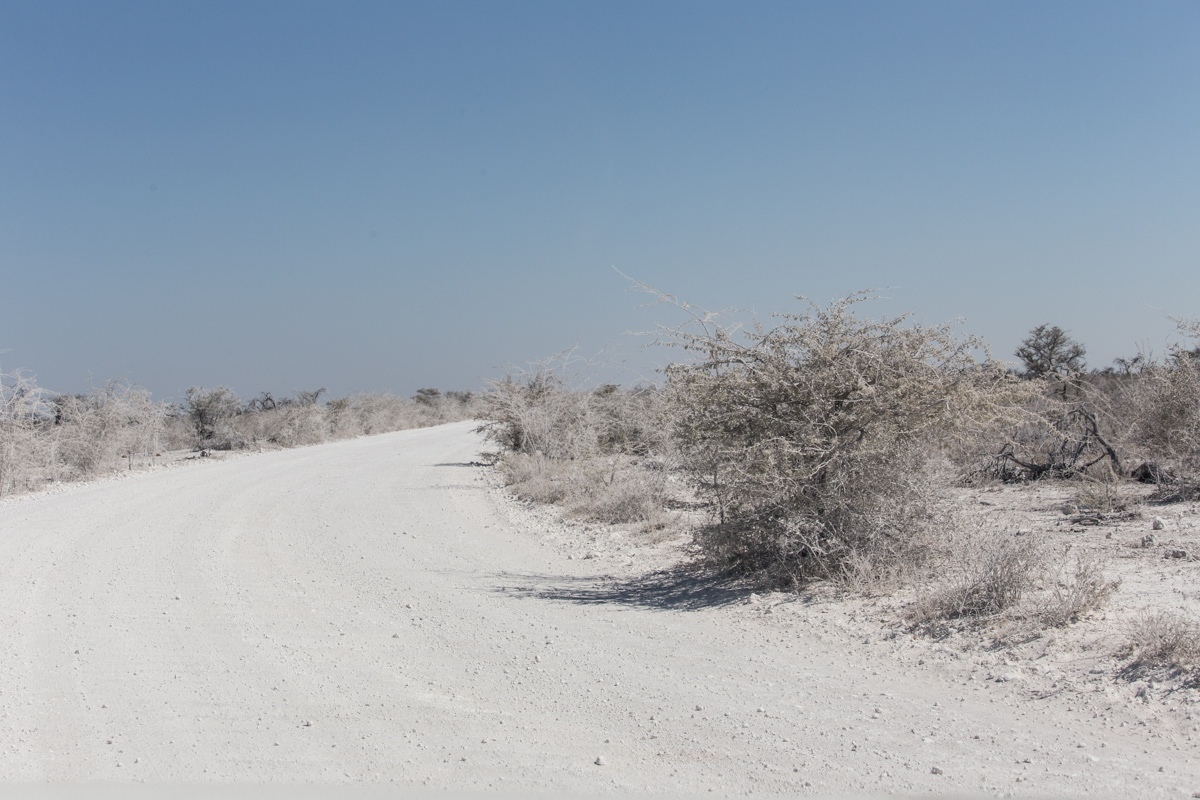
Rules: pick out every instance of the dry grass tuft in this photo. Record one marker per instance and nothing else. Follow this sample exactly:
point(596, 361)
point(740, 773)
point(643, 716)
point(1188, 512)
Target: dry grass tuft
point(988, 572)
point(1163, 639)
point(1074, 594)
point(1104, 495)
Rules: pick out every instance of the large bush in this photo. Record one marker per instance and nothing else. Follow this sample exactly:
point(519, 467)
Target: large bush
point(49, 437)
point(25, 412)
point(109, 428)
point(1163, 405)
point(818, 440)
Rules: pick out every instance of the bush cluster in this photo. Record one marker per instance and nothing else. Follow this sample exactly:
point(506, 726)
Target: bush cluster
point(50, 437)
point(827, 446)
point(47, 437)
point(599, 452)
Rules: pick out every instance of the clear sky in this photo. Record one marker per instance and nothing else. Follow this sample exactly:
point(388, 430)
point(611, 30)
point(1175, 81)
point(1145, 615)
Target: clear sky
point(278, 196)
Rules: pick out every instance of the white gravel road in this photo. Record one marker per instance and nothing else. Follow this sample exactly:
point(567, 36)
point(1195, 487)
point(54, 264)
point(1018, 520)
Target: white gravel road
point(375, 611)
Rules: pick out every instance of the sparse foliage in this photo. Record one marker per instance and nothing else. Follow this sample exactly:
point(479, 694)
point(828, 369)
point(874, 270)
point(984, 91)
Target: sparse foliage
point(1048, 352)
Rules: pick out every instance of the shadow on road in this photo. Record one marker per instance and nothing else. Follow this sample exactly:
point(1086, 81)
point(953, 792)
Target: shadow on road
point(680, 589)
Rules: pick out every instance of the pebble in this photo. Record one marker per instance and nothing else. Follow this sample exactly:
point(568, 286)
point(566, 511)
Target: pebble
point(600, 761)
point(1158, 524)
point(936, 771)
point(1175, 552)
point(395, 636)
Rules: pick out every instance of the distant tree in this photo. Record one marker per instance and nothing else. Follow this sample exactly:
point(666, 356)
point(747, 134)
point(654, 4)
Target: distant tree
point(1048, 352)
point(208, 408)
point(264, 402)
point(309, 397)
point(428, 397)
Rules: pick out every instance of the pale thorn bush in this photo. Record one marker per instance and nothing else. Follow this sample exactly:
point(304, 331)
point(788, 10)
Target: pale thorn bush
point(811, 438)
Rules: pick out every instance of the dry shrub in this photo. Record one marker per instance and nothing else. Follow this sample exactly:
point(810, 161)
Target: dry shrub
point(211, 412)
point(1077, 592)
point(1163, 639)
point(114, 427)
point(596, 452)
point(1155, 405)
point(1106, 493)
point(537, 412)
point(290, 425)
point(617, 495)
point(541, 410)
point(987, 572)
point(536, 478)
point(1167, 422)
point(25, 452)
point(882, 521)
point(817, 440)
point(596, 490)
point(1052, 437)
point(48, 437)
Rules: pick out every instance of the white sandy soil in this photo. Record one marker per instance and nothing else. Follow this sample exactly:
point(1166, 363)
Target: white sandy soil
point(378, 611)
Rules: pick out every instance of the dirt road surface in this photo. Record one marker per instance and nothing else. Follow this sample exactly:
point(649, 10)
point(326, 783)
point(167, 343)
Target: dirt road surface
point(376, 611)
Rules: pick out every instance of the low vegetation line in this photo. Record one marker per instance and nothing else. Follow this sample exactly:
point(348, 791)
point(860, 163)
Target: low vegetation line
point(47, 437)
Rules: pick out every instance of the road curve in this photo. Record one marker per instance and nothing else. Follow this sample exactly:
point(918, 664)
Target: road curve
point(368, 611)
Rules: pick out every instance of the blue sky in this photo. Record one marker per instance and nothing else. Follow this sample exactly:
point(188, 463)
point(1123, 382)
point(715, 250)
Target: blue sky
point(277, 196)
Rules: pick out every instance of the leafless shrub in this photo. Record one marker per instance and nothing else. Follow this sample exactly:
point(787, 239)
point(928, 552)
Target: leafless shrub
point(114, 427)
point(610, 491)
point(1163, 638)
point(544, 409)
point(1051, 438)
point(210, 411)
point(597, 452)
point(46, 437)
point(1162, 404)
point(1104, 494)
point(25, 411)
point(815, 439)
point(371, 413)
point(615, 493)
point(1076, 592)
point(986, 572)
point(284, 425)
point(535, 478)
point(537, 412)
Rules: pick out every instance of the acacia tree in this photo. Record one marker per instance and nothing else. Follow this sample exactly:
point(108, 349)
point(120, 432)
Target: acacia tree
point(1048, 352)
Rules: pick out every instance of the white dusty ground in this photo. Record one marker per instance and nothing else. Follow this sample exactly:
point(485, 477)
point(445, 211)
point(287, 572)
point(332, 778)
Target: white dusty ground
point(377, 611)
